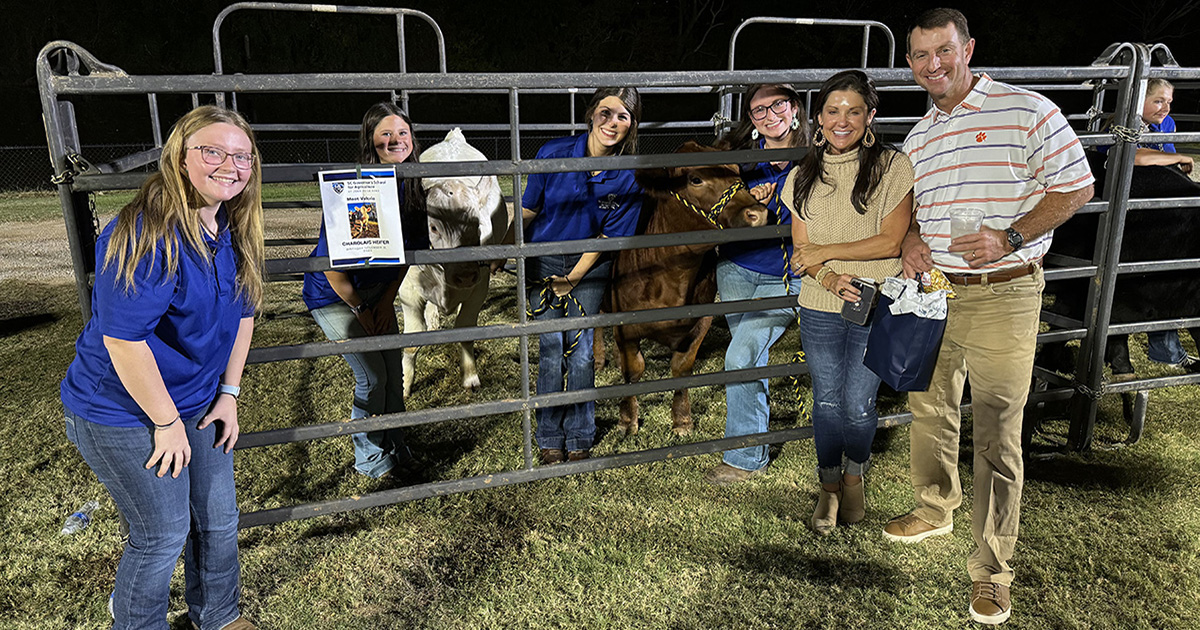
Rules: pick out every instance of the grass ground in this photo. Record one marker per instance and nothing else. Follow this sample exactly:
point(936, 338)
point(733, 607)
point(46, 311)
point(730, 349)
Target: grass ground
point(1109, 539)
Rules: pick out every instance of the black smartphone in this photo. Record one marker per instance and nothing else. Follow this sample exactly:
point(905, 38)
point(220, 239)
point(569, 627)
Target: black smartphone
point(859, 312)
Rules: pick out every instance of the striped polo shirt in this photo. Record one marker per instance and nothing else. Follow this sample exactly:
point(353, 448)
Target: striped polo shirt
point(1001, 150)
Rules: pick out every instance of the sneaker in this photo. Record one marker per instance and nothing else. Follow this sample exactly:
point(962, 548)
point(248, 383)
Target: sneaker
point(111, 614)
point(910, 529)
point(990, 603)
point(241, 623)
point(1190, 364)
point(724, 475)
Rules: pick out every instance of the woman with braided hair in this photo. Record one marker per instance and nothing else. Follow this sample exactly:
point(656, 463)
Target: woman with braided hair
point(571, 206)
point(772, 118)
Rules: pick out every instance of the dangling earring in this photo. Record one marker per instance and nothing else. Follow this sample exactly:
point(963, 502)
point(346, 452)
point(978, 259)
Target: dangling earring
point(795, 123)
point(818, 138)
point(754, 134)
point(869, 139)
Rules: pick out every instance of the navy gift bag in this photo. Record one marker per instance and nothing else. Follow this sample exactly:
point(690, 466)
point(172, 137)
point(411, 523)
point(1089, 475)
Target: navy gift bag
point(903, 349)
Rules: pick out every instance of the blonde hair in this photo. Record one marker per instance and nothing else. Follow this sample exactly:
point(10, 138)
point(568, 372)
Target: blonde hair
point(168, 207)
point(1158, 84)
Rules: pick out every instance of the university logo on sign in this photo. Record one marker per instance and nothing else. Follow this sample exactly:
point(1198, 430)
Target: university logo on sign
point(338, 187)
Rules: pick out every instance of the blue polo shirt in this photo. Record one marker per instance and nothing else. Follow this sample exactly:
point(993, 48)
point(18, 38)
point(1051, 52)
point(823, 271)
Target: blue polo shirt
point(317, 291)
point(189, 319)
point(573, 206)
point(764, 256)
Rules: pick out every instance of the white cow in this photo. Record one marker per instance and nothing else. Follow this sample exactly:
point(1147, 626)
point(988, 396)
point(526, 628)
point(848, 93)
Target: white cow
point(463, 211)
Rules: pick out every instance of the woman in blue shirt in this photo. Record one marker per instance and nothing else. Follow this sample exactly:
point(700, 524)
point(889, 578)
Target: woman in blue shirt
point(361, 303)
point(772, 118)
point(571, 206)
point(158, 367)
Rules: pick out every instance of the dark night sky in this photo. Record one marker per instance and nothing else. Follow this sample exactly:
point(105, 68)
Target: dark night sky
point(146, 37)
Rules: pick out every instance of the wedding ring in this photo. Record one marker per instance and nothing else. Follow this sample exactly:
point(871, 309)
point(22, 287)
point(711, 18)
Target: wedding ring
point(841, 292)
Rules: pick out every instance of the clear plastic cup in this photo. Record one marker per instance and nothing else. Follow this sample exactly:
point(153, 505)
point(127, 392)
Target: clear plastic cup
point(964, 221)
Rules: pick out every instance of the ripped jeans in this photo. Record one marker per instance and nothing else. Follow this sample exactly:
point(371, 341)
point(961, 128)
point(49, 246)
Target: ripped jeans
point(844, 415)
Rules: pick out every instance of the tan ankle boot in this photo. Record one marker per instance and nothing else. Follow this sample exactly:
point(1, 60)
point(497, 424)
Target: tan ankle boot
point(824, 518)
point(853, 506)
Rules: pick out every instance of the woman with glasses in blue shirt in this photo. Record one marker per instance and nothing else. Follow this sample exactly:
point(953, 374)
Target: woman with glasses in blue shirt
point(151, 396)
point(772, 118)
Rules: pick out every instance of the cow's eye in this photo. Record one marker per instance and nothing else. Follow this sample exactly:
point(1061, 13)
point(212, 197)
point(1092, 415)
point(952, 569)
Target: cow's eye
point(696, 181)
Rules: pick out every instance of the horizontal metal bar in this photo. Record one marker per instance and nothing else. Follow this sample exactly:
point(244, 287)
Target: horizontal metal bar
point(1149, 326)
point(549, 248)
point(503, 331)
point(1087, 271)
point(350, 81)
point(497, 407)
point(1059, 336)
point(1059, 320)
point(429, 128)
point(1159, 265)
point(456, 486)
point(277, 173)
point(1151, 383)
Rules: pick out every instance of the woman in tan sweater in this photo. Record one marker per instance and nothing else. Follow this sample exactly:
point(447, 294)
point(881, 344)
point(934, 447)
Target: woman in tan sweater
point(851, 200)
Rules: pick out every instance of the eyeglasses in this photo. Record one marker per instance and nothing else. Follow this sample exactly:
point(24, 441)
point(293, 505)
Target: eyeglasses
point(778, 107)
point(216, 157)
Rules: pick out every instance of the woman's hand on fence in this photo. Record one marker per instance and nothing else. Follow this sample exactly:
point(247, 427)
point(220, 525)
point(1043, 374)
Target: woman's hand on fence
point(224, 413)
point(171, 450)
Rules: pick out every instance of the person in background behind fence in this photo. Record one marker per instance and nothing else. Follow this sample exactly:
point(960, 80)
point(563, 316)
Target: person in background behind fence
point(1013, 153)
point(154, 385)
point(362, 303)
point(1163, 346)
point(772, 118)
point(853, 202)
point(575, 206)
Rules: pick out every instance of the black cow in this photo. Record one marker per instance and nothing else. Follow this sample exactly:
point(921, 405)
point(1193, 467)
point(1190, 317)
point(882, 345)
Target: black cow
point(1149, 235)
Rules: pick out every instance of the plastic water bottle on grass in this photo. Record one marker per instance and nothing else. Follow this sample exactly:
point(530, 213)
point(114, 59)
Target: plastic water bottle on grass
point(79, 520)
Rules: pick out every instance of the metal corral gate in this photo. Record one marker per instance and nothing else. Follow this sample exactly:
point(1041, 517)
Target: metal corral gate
point(1125, 67)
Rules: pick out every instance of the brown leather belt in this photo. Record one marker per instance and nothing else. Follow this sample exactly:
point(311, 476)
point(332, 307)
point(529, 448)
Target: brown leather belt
point(994, 277)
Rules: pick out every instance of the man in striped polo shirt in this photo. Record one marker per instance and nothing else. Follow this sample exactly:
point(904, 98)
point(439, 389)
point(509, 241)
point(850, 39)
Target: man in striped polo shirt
point(1010, 153)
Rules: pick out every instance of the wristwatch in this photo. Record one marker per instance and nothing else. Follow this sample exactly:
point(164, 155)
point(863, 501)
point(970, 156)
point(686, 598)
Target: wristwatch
point(1015, 240)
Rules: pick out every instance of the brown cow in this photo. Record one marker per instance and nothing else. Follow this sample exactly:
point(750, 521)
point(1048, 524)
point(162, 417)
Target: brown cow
point(676, 275)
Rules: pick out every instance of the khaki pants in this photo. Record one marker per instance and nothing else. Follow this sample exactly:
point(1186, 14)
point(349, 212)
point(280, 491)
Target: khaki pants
point(991, 336)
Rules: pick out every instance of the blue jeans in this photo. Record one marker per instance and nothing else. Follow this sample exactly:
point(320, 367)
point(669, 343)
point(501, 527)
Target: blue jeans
point(571, 427)
point(196, 512)
point(378, 386)
point(1164, 346)
point(844, 415)
point(753, 334)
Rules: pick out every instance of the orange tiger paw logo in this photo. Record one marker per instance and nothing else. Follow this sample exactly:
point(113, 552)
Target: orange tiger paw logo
point(980, 137)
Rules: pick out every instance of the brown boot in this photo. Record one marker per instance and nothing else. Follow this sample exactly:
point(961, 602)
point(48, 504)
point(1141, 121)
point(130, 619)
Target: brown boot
point(552, 456)
point(853, 506)
point(824, 518)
